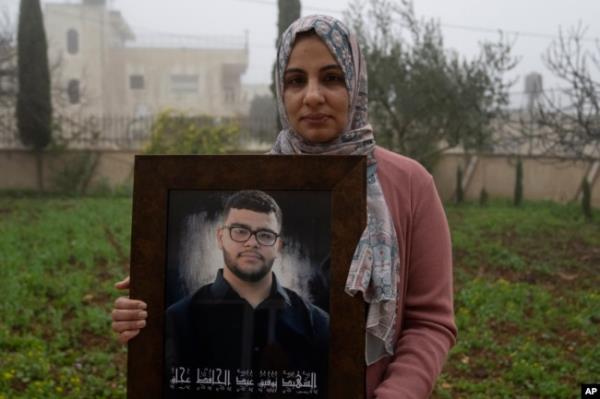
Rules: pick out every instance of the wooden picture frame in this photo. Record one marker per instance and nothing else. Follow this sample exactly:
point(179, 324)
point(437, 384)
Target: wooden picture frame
point(156, 177)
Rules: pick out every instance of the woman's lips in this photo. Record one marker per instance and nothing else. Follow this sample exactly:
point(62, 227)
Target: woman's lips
point(315, 118)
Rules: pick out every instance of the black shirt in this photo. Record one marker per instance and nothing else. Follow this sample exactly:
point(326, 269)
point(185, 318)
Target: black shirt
point(219, 345)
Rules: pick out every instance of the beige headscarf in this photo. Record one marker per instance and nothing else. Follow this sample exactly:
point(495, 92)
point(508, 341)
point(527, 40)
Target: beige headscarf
point(376, 262)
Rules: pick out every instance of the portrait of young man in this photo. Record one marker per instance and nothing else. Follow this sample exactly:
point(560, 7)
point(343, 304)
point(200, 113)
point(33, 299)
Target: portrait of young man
point(247, 295)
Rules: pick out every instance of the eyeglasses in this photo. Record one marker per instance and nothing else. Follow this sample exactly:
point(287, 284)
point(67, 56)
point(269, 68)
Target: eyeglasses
point(243, 234)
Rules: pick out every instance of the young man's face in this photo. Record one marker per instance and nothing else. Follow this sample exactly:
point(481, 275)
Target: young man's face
point(249, 260)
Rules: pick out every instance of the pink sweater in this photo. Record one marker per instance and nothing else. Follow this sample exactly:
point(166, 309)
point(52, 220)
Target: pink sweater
point(426, 329)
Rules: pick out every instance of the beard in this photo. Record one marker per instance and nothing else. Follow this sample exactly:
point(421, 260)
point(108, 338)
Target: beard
point(248, 276)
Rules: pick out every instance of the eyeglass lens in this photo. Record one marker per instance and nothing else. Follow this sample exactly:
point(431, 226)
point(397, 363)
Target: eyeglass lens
point(242, 234)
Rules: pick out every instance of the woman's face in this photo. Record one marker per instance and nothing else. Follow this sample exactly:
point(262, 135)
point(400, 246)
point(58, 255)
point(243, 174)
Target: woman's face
point(314, 91)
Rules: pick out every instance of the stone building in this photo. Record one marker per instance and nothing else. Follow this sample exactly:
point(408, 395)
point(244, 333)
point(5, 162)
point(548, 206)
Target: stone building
point(105, 70)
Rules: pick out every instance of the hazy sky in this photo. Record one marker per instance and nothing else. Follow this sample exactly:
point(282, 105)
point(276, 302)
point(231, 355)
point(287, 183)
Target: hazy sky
point(537, 20)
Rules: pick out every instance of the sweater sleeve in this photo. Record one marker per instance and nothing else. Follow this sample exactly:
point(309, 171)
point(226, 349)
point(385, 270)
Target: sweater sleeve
point(428, 329)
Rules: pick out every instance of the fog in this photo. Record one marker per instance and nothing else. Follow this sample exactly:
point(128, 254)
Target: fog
point(530, 25)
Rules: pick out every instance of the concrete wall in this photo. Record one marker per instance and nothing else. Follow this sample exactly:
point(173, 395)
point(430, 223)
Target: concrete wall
point(18, 168)
point(543, 178)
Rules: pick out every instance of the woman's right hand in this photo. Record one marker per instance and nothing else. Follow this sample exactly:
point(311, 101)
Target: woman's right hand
point(128, 315)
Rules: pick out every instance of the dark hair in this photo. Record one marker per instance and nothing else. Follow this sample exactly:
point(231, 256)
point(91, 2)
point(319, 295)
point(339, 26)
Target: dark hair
point(306, 33)
point(253, 200)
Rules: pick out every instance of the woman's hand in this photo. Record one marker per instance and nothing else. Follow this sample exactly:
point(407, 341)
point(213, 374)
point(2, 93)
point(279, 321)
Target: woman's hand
point(128, 315)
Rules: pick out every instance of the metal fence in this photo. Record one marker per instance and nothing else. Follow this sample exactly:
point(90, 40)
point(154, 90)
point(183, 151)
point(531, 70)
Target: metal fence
point(114, 132)
point(125, 132)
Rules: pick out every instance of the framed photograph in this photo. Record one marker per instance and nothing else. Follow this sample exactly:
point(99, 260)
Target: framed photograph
point(242, 261)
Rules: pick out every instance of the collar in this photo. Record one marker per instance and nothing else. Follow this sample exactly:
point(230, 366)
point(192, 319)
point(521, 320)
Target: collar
point(221, 289)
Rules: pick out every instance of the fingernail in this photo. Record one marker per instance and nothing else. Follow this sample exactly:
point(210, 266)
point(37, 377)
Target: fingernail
point(143, 314)
point(142, 306)
point(141, 323)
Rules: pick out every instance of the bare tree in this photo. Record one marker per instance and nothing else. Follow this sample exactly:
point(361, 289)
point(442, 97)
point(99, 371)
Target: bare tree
point(8, 75)
point(8, 60)
point(569, 119)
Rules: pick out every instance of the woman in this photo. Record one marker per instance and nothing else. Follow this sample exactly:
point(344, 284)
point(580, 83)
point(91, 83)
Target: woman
point(402, 266)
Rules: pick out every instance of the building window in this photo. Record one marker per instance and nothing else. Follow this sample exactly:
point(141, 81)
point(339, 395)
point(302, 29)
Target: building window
point(72, 41)
point(229, 95)
point(136, 82)
point(73, 91)
point(184, 84)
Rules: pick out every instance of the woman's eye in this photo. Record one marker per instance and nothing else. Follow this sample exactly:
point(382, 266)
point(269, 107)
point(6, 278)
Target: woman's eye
point(334, 78)
point(294, 81)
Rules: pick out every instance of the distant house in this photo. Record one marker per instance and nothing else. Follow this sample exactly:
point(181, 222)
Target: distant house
point(105, 70)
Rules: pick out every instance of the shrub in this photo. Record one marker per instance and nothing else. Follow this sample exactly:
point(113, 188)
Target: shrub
point(176, 133)
point(74, 176)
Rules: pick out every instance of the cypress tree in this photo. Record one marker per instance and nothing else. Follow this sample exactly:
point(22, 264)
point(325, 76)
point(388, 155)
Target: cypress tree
point(34, 106)
point(586, 199)
point(518, 197)
point(483, 197)
point(460, 195)
point(289, 11)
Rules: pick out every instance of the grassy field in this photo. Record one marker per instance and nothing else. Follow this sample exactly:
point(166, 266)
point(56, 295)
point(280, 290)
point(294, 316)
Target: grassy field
point(526, 293)
point(59, 259)
point(527, 302)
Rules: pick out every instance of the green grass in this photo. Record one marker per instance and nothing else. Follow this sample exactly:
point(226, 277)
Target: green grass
point(526, 294)
point(59, 259)
point(527, 302)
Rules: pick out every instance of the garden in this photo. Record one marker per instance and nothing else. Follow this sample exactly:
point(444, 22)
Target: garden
point(526, 299)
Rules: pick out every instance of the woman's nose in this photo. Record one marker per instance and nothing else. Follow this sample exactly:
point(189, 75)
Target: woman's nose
point(313, 95)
